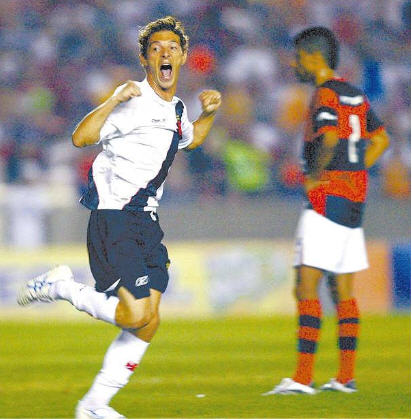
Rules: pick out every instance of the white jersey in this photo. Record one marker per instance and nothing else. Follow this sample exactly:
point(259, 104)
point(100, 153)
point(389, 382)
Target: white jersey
point(140, 139)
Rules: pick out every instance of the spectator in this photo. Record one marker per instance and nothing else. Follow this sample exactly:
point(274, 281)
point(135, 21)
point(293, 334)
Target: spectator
point(49, 80)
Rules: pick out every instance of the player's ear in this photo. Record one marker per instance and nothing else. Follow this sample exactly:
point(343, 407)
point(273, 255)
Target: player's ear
point(143, 60)
point(184, 58)
point(311, 60)
point(318, 58)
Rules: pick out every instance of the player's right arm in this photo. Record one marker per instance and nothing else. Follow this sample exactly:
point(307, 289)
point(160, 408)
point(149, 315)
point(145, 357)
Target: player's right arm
point(87, 131)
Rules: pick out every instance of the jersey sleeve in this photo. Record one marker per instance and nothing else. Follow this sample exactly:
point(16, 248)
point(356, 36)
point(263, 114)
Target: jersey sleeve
point(119, 122)
point(187, 131)
point(325, 113)
point(108, 131)
point(372, 121)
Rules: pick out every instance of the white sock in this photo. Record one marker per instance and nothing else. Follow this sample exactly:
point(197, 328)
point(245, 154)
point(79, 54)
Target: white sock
point(87, 299)
point(122, 357)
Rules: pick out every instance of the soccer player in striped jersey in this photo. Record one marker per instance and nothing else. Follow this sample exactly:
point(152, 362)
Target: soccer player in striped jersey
point(343, 138)
point(141, 127)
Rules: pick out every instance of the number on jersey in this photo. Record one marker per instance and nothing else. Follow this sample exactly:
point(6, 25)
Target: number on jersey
point(353, 138)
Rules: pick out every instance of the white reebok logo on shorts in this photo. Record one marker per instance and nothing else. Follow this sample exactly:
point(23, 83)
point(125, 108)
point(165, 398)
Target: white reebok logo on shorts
point(143, 280)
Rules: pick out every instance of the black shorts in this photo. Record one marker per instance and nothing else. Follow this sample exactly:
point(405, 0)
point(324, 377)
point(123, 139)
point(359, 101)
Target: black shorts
point(125, 249)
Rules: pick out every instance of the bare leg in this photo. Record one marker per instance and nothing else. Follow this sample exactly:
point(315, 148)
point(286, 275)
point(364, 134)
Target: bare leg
point(344, 286)
point(307, 282)
point(148, 331)
point(132, 313)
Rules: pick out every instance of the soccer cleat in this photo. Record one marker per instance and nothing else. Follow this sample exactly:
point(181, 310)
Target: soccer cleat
point(288, 386)
point(38, 289)
point(333, 385)
point(103, 412)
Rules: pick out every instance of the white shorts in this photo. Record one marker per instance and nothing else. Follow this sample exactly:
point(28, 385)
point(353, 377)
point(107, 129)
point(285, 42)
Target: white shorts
point(324, 244)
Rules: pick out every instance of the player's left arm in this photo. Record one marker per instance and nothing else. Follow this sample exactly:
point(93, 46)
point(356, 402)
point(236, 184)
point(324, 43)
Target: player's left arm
point(378, 143)
point(210, 101)
point(378, 138)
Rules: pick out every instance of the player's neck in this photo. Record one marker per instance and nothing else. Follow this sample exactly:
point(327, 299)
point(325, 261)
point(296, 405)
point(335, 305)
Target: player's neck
point(323, 75)
point(166, 95)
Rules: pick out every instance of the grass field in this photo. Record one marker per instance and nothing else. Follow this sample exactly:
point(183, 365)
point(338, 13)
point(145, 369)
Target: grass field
point(47, 367)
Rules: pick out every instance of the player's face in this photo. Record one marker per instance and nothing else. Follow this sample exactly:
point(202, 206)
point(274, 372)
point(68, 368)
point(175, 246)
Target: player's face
point(303, 66)
point(164, 59)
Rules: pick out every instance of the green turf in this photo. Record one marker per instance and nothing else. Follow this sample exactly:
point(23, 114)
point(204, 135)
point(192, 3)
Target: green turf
point(46, 367)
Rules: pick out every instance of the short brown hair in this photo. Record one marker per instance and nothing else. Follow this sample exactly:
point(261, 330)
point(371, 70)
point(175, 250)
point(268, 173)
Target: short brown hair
point(320, 39)
point(168, 23)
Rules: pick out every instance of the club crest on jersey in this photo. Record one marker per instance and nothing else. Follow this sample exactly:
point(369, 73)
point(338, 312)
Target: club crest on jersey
point(142, 280)
point(179, 126)
point(131, 366)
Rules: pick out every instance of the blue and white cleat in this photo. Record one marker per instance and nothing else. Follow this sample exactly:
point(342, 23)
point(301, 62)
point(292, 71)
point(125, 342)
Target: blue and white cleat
point(104, 412)
point(38, 289)
point(289, 386)
point(333, 385)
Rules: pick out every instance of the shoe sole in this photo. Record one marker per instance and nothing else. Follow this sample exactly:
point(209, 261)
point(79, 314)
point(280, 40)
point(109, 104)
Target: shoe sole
point(334, 390)
point(289, 392)
point(82, 413)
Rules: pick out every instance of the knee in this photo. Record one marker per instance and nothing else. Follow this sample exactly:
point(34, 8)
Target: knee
point(155, 321)
point(343, 295)
point(344, 291)
point(139, 320)
point(305, 291)
point(134, 319)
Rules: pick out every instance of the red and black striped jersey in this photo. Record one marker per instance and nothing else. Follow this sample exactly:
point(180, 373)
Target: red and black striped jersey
point(337, 105)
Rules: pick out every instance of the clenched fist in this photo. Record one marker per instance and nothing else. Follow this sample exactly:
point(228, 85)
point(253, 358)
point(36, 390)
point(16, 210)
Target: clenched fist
point(210, 100)
point(129, 90)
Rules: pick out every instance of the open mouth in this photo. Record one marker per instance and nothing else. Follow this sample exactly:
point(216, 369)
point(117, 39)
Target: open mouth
point(166, 71)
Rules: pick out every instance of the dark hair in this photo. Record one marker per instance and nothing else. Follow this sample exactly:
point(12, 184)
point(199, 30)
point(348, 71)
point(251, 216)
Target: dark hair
point(168, 23)
point(319, 39)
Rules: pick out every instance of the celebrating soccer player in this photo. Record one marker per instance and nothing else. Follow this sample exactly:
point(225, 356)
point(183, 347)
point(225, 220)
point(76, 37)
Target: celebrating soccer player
point(343, 138)
point(141, 127)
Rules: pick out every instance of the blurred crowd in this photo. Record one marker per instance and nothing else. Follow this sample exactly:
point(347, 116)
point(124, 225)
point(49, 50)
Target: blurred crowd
point(59, 59)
